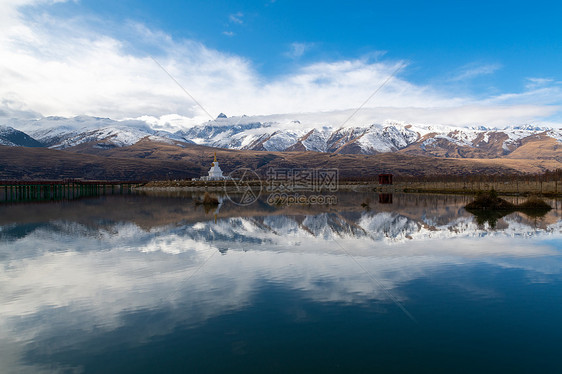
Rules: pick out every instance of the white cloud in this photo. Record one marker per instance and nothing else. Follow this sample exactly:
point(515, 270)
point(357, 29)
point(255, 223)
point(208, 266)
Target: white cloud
point(56, 66)
point(543, 95)
point(475, 115)
point(236, 18)
point(228, 33)
point(297, 49)
point(473, 70)
point(534, 83)
point(104, 273)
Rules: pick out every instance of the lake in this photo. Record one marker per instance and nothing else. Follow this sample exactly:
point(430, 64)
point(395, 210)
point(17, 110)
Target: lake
point(406, 283)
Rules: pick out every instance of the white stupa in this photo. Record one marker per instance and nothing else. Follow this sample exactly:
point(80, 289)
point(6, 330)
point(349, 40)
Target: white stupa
point(215, 172)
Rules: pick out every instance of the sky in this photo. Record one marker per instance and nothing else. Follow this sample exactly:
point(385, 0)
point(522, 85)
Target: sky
point(492, 63)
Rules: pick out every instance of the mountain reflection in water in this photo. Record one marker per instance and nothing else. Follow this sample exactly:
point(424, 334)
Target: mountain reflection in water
point(85, 280)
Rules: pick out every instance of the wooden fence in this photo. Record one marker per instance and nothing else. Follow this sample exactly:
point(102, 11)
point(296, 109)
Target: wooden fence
point(22, 191)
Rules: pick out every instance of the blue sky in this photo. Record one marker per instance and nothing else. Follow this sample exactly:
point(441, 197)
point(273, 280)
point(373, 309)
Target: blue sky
point(441, 38)
point(453, 54)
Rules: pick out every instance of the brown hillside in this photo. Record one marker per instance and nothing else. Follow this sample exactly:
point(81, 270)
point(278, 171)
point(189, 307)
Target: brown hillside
point(41, 163)
point(349, 165)
point(538, 147)
point(151, 160)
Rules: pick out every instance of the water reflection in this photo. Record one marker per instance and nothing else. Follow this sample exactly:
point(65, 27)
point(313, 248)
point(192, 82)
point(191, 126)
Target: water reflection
point(105, 274)
point(385, 198)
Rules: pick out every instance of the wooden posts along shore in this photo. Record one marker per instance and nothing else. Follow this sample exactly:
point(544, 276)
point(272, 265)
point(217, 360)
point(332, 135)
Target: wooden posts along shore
point(68, 189)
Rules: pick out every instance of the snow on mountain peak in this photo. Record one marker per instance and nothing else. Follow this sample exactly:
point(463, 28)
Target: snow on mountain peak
point(290, 132)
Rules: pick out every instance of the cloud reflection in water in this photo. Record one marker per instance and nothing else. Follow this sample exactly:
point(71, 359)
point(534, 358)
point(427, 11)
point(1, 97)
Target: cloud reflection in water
point(65, 282)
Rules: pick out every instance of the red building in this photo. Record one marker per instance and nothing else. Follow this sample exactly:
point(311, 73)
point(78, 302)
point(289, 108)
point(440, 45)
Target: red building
point(385, 178)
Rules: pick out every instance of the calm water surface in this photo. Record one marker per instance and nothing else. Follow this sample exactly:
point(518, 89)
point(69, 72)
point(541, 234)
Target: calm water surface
point(144, 284)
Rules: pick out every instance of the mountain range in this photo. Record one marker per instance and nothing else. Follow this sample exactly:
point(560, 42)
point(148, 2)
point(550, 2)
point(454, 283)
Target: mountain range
point(287, 135)
point(278, 135)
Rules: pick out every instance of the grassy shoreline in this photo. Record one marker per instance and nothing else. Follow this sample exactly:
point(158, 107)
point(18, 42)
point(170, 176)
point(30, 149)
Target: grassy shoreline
point(521, 188)
point(516, 188)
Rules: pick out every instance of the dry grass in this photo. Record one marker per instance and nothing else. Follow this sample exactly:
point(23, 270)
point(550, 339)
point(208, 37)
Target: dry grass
point(348, 165)
point(553, 188)
point(523, 165)
point(23, 163)
point(149, 160)
point(208, 200)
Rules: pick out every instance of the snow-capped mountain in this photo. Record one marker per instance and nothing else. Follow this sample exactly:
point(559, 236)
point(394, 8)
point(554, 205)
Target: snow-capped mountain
point(12, 137)
point(60, 132)
point(243, 133)
point(288, 133)
point(436, 140)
